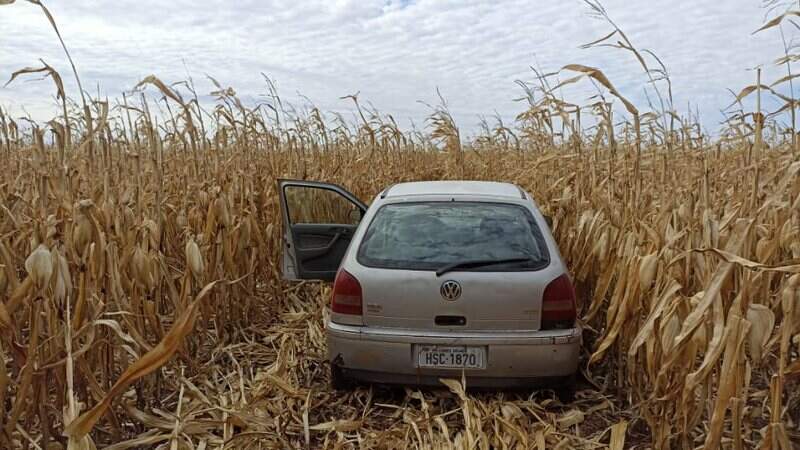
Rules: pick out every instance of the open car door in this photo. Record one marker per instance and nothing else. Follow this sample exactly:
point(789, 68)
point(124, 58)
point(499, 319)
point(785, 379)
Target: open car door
point(319, 220)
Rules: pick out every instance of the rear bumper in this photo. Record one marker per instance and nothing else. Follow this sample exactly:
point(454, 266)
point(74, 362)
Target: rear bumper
point(513, 358)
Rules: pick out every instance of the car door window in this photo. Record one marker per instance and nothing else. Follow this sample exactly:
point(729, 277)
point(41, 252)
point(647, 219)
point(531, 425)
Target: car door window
point(310, 205)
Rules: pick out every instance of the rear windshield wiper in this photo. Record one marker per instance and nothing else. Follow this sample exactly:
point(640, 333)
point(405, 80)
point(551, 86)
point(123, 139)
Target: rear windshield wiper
point(479, 263)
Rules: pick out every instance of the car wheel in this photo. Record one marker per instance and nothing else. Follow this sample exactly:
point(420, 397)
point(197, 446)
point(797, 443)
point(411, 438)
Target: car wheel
point(565, 391)
point(339, 381)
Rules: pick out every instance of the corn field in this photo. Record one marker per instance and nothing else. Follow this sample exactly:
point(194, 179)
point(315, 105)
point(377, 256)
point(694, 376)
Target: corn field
point(142, 306)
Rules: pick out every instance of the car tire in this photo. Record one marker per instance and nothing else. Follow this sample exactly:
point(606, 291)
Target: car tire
point(565, 391)
point(339, 381)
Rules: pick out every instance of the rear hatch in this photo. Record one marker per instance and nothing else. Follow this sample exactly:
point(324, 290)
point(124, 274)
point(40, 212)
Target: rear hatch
point(488, 300)
point(407, 243)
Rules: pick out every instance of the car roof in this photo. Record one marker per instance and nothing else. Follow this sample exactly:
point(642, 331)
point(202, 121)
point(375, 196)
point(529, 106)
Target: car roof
point(476, 188)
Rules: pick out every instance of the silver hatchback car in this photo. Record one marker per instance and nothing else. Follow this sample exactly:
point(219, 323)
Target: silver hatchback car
point(435, 280)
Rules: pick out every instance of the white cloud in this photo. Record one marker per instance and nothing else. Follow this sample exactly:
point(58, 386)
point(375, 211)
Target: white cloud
point(395, 52)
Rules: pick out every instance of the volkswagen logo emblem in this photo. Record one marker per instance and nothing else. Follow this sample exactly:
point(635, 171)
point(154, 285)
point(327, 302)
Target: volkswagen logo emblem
point(450, 290)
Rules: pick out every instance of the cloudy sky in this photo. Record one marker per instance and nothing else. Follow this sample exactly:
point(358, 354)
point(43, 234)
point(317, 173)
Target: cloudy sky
point(394, 52)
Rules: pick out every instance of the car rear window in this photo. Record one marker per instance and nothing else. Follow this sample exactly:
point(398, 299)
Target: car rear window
point(430, 235)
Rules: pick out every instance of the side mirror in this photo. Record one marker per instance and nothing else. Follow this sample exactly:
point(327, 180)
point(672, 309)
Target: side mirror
point(549, 221)
point(354, 216)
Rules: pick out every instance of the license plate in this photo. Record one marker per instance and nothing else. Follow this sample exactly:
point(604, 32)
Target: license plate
point(451, 357)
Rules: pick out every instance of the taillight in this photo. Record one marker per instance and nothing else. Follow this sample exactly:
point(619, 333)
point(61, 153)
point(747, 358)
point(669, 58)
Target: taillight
point(558, 304)
point(346, 297)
